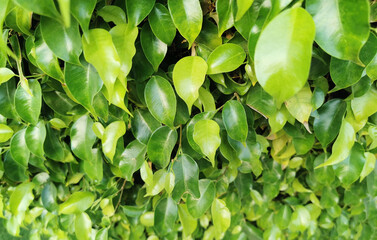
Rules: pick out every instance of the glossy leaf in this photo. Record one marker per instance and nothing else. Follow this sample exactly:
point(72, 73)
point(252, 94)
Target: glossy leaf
point(5, 74)
point(110, 138)
point(363, 107)
point(45, 8)
point(300, 219)
point(197, 207)
point(283, 71)
point(83, 226)
point(328, 122)
point(35, 137)
point(344, 73)
point(113, 14)
point(187, 17)
point(94, 166)
point(189, 223)
point(162, 24)
point(207, 136)
point(188, 76)
point(124, 37)
point(83, 83)
point(165, 215)
point(99, 50)
point(138, 10)
point(370, 161)
point(349, 170)
point(82, 11)
point(19, 150)
point(300, 105)
point(160, 99)
point(160, 146)
point(186, 173)
point(21, 198)
point(78, 202)
point(234, 118)
point(82, 138)
point(225, 13)
point(5, 133)
point(225, 58)
point(143, 125)
point(29, 106)
point(342, 145)
point(337, 32)
point(220, 216)
point(154, 49)
point(64, 42)
point(132, 158)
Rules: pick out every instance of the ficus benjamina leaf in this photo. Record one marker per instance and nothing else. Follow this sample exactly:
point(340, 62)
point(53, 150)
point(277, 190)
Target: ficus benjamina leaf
point(112, 113)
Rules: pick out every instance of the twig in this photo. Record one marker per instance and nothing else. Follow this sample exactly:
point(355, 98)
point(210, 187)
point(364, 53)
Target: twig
point(121, 194)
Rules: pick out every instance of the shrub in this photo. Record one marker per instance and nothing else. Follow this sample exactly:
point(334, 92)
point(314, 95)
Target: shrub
point(179, 119)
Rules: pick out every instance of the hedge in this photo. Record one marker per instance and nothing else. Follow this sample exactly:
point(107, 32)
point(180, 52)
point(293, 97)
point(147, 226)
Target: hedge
point(188, 119)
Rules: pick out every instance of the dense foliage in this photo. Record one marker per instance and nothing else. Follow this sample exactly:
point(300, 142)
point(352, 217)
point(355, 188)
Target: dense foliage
point(179, 119)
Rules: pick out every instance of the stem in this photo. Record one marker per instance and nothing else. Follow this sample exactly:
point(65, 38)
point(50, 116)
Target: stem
point(121, 194)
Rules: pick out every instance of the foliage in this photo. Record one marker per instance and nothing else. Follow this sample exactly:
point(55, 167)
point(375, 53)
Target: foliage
point(179, 119)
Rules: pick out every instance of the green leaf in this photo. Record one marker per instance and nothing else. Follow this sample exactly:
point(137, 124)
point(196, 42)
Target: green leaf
point(300, 219)
point(191, 125)
point(82, 11)
point(83, 226)
point(364, 106)
point(187, 17)
point(344, 73)
point(7, 104)
point(110, 138)
point(138, 10)
point(248, 152)
point(283, 217)
point(188, 76)
point(52, 147)
point(162, 24)
point(21, 198)
point(157, 184)
point(44, 8)
point(82, 138)
point(45, 58)
point(83, 83)
point(18, 149)
point(143, 125)
point(327, 123)
point(78, 202)
point(48, 196)
point(14, 170)
point(154, 49)
point(220, 216)
point(206, 99)
point(300, 105)
point(99, 50)
point(124, 37)
point(225, 13)
point(189, 223)
point(283, 54)
point(59, 102)
point(35, 137)
point(132, 158)
point(5, 74)
point(260, 101)
point(371, 68)
point(343, 28)
point(64, 42)
point(94, 166)
point(160, 146)
point(349, 170)
point(113, 14)
point(5, 133)
point(342, 145)
point(235, 122)
point(160, 99)
point(197, 207)
point(368, 166)
point(225, 58)
point(29, 106)
point(242, 7)
point(207, 136)
point(166, 213)
point(186, 173)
